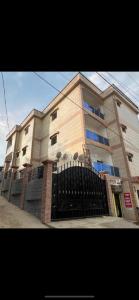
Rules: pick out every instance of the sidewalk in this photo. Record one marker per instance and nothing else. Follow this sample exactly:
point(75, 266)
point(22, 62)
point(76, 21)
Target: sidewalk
point(13, 217)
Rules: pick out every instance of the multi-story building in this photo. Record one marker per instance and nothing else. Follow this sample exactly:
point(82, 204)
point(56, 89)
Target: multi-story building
point(1, 175)
point(83, 118)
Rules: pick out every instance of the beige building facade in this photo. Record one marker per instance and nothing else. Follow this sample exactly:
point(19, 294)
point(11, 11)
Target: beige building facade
point(83, 119)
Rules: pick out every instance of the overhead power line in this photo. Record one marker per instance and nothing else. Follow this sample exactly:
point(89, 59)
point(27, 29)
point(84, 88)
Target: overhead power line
point(128, 90)
point(112, 112)
point(133, 79)
point(65, 77)
point(5, 102)
point(47, 82)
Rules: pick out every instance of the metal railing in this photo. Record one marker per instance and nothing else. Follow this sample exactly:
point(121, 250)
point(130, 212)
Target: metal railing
point(94, 110)
point(96, 137)
point(111, 170)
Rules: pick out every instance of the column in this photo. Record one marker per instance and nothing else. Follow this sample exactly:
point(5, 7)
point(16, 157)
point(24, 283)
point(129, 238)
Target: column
point(47, 192)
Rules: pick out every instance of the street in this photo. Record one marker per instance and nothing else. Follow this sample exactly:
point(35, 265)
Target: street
point(13, 217)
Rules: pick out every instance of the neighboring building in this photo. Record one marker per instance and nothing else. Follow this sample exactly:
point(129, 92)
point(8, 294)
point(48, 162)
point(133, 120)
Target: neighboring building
point(107, 127)
point(1, 175)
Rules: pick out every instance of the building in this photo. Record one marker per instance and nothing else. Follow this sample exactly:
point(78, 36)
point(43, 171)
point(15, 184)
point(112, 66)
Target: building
point(1, 175)
point(82, 119)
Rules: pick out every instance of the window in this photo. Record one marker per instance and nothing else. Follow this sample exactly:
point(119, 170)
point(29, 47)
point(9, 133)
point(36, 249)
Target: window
point(96, 137)
point(17, 154)
point(54, 115)
point(27, 129)
point(130, 156)
point(124, 128)
point(138, 193)
point(118, 103)
point(54, 139)
point(9, 143)
point(93, 110)
point(24, 150)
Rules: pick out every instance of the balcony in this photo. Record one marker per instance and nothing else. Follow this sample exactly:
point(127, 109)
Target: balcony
point(96, 137)
point(96, 111)
point(111, 170)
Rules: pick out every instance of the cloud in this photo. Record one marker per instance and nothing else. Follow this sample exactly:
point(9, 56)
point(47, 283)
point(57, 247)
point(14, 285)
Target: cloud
point(98, 81)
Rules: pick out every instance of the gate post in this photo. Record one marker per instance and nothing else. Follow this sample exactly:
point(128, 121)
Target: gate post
point(109, 195)
point(46, 201)
point(25, 181)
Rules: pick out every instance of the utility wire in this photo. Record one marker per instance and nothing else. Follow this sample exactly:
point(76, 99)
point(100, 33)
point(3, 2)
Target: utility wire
point(132, 78)
point(4, 93)
point(124, 86)
point(112, 112)
point(65, 77)
point(46, 81)
point(111, 85)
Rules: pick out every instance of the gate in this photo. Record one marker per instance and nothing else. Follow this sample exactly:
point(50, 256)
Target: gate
point(78, 192)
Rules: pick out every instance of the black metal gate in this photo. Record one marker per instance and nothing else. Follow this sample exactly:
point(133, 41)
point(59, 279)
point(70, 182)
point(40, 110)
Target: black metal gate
point(78, 192)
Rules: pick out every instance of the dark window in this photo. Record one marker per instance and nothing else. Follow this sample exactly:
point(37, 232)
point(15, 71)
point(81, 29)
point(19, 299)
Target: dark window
point(96, 137)
point(9, 143)
point(138, 193)
point(54, 139)
point(118, 103)
point(17, 154)
point(124, 128)
point(26, 130)
point(24, 150)
point(130, 156)
point(54, 115)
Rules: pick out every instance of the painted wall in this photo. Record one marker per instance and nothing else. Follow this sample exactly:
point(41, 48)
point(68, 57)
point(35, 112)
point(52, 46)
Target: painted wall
point(69, 125)
point(100, 154)
point(25, 140)
point(92, 99)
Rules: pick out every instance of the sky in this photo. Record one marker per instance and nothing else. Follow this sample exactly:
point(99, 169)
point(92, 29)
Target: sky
point(25, 91)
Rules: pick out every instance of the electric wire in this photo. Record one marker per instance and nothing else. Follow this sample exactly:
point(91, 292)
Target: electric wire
point(5, 102)
point(50, 84)
point(123, 85)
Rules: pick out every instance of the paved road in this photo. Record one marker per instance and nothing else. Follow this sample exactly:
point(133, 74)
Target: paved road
point(13, 217)
point(99, 222)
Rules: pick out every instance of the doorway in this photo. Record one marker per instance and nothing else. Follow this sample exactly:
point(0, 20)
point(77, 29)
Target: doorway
point(118, 205)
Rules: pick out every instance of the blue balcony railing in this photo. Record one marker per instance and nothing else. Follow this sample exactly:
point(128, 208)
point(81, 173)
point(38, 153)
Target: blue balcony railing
point(94, 110)
point(111, 170)
point(96, 137)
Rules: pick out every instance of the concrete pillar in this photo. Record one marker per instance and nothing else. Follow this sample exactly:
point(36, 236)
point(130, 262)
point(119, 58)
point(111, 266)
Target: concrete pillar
point(14, 169)
point(24, 184)
point(47, 192)
point(109, 195)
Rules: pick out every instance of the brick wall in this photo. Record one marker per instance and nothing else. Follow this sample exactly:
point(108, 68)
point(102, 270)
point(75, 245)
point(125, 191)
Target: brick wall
point(31, 190)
